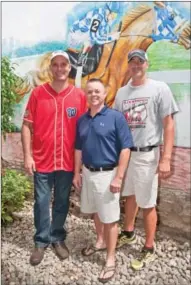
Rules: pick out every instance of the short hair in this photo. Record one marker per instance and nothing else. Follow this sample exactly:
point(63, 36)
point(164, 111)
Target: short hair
point(95, 80)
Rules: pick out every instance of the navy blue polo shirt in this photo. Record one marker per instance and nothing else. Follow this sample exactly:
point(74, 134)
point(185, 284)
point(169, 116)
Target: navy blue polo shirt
point(102, 137)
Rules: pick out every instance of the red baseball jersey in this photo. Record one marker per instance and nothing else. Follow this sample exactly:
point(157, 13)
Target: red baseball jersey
point(54, 117)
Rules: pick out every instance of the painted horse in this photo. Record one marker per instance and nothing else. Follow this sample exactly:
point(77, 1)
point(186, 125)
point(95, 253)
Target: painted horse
point(141, 27)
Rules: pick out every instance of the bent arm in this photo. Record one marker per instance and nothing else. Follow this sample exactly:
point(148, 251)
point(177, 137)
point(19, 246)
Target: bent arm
point(116, 183)
point(125, 141)
point(123, 163)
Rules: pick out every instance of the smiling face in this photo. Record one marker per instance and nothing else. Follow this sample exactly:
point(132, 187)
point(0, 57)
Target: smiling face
point(60, 68)
point(137, 67)
point(96, 93)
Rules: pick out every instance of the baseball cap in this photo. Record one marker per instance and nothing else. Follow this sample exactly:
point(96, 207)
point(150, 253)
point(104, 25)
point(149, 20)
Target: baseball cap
point(60, 53)
point(139, 53)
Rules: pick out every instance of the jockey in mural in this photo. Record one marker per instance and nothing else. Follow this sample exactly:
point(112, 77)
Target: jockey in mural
point(166, 22)
point(95, 27)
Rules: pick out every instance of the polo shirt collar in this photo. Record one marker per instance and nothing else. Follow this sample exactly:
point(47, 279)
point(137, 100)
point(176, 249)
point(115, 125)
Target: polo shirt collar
point(102, 112)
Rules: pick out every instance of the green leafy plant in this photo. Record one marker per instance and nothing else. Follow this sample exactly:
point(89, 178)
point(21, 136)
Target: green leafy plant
point(15, 186)
point(9, 82)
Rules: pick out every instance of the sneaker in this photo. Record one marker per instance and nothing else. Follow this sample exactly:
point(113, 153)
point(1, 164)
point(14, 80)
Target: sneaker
point(145, 257)
point(125, 238)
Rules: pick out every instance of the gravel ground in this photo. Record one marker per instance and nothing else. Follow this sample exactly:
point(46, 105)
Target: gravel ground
point(171, 267)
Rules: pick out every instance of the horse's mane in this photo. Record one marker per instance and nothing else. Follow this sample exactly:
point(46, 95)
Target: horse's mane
point(133, 15)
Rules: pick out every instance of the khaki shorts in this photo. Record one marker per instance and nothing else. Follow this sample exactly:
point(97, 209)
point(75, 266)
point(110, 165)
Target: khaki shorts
point(141, 178)
point(96, 196)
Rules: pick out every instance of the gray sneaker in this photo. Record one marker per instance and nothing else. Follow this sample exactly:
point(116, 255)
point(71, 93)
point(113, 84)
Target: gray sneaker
point(61, 249)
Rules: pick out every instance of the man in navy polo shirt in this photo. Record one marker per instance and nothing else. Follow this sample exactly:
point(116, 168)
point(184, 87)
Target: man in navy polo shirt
point(103, 145)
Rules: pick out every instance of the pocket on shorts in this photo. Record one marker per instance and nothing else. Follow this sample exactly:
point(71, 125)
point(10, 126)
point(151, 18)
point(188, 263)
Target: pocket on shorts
point(102, 185)
point(150, 157)
point(144, 166)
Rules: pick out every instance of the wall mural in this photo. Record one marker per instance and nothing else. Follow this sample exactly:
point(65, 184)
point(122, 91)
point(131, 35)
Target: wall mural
point(98, 36)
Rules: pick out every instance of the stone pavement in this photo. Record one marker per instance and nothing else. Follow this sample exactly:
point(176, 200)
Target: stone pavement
point(171, 267)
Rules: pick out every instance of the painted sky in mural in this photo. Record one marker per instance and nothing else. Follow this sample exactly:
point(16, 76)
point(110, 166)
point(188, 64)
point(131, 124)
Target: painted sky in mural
point(98, 36)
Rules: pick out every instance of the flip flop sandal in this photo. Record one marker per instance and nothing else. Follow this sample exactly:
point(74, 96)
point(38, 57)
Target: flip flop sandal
point(107, 269)
point(90, 249)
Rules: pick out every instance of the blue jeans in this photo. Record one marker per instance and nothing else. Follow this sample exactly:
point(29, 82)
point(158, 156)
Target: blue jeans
point(51, 231)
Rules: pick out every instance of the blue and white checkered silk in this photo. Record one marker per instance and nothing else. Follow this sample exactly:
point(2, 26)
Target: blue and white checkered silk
point(93, 27)
point(168, 22)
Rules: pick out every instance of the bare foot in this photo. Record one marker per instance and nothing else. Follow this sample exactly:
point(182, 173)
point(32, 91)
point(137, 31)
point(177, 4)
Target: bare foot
point(100, 245)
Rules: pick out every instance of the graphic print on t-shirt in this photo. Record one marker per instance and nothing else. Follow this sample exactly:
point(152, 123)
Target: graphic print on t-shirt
point(135, 112)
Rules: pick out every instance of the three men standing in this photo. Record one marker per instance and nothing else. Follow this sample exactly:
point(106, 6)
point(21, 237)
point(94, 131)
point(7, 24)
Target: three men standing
point(103, 144)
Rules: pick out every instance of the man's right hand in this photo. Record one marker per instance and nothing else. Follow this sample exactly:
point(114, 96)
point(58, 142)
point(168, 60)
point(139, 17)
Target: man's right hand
point(29, 164)
point(77, 181)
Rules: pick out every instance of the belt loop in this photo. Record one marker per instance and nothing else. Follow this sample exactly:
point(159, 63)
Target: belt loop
point(101, 168)
point(138, 148)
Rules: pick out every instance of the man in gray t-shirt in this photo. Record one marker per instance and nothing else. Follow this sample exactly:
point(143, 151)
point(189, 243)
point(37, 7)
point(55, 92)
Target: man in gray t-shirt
point(148, 106)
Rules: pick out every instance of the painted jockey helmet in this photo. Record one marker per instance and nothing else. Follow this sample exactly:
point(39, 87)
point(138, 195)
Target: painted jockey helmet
point(111, 10)
point(113, 7)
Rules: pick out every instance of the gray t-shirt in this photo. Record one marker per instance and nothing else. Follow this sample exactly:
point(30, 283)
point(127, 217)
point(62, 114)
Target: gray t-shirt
point(144, 107)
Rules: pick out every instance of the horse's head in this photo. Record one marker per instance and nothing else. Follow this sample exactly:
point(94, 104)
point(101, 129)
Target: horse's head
point(171, 25)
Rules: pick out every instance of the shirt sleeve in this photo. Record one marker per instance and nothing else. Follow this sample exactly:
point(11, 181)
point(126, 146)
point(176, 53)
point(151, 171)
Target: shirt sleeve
point(115, 104)
point(84, 104)
point(78, 142)
point(167, 104)
point(30, 108)
point(124, 135)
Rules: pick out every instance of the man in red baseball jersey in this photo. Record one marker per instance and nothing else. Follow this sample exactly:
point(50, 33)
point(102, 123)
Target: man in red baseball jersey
point(48, 136)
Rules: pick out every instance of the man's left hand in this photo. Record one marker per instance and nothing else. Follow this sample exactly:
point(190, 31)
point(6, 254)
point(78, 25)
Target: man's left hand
point(164, 168)
point(115, 186)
